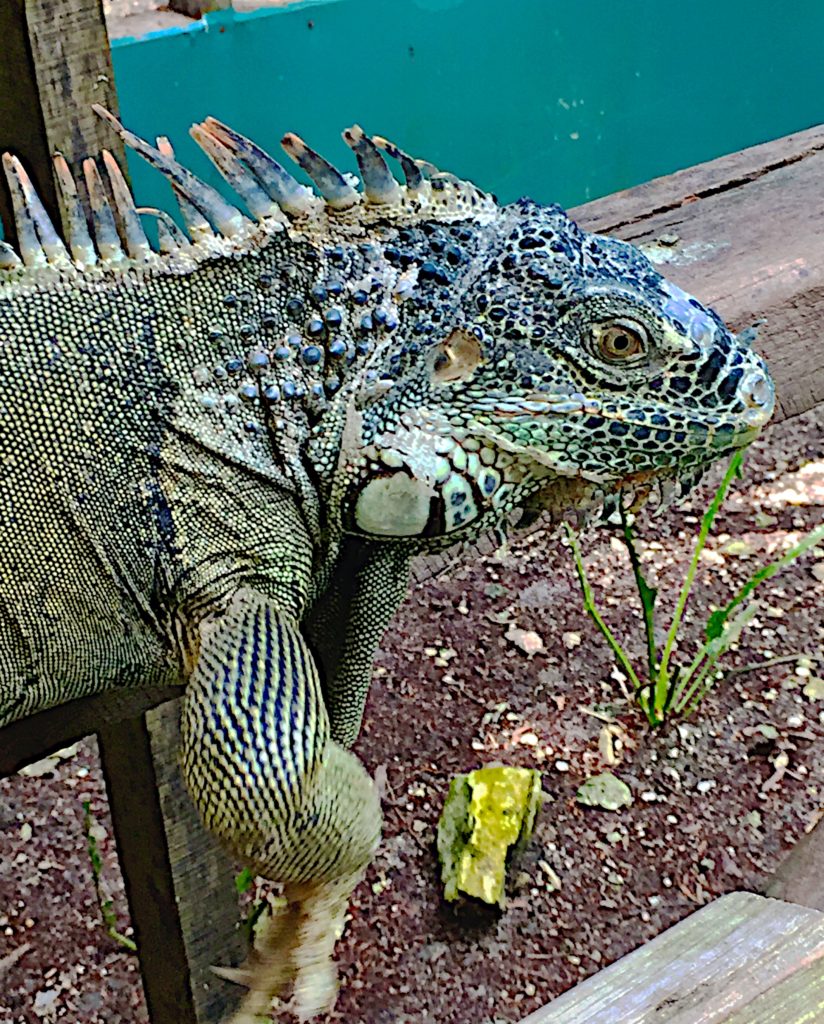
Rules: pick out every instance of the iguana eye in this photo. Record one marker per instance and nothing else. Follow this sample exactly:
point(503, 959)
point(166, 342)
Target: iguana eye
point(617, 341)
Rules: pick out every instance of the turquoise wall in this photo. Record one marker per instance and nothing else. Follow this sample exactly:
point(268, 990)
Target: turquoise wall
point(561, 101)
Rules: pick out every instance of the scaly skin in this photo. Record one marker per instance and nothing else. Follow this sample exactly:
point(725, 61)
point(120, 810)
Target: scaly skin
point(218, 460)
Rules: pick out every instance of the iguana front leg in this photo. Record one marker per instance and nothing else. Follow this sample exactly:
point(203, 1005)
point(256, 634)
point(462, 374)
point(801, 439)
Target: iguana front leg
point(347, 622)
point(269, 781)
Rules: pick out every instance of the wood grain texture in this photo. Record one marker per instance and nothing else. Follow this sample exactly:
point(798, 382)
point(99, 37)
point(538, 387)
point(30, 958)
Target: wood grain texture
point(179, 881)
point(702, 181)
point(742, 958)
point(131, 784)
point(202, 875)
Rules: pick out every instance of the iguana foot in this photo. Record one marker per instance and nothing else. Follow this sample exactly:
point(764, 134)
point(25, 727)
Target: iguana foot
point(293, 949)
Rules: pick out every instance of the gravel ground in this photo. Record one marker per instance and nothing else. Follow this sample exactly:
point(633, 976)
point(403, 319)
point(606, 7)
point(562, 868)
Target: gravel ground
point(718, 800)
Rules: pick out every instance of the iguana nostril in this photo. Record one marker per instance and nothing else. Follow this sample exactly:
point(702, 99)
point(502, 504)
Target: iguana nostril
point(757, 389)
point(757, 392)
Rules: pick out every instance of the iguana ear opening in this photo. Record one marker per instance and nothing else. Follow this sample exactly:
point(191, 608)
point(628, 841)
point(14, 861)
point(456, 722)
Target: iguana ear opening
point(457, 358)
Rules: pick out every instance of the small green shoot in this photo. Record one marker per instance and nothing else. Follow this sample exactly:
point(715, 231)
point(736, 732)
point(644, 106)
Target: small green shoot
point(243, 881)
point(680, 689)
point(106, 905)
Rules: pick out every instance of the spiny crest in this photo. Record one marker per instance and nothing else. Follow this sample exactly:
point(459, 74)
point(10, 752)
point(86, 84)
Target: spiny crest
point(117, 241)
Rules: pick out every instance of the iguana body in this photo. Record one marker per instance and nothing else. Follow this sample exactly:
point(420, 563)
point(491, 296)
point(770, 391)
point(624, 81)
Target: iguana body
point(218, 461)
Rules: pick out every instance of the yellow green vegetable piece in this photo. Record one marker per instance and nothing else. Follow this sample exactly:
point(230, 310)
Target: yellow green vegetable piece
point(487, 815)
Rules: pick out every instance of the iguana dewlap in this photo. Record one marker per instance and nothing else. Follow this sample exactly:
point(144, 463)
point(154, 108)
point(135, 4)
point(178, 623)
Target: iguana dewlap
point(218, 458)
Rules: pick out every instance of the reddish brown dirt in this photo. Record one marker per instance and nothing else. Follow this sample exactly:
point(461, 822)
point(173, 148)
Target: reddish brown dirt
point(718, 801)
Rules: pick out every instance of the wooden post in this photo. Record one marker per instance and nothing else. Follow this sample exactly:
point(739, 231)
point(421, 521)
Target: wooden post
point(178, 881)
point(30, 739)
point(125, 751)
point(55, 64)
point(202, 875)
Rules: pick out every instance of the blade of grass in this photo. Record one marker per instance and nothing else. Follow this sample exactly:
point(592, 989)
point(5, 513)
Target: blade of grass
point(675, 683)
point(662, 682)
point(715, 623)
point(714, 649)
point(106, 906)
point(595, 615)
point(647, 594)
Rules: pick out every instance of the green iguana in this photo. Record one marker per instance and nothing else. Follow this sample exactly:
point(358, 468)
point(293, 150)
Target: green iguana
point(219, 457)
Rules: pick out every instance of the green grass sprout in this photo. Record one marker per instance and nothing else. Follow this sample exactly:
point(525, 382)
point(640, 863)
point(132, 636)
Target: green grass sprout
point(106, 905)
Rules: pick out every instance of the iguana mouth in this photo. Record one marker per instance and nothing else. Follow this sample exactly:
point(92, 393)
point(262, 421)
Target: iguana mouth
point(577, 499)
point(730, 432)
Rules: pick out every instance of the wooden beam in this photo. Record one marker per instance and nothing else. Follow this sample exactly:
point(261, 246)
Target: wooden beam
point(741, 959)
point(37, 736)
point(137, 817)
point(202, 875)
point(55, 64)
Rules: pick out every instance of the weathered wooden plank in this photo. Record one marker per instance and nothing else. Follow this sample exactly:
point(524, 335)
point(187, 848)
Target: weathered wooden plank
point(131, 783)
point(798, 999)
point(74, 70)
point(55, 64)
point(750, 231)
point(734, 960)
point(660, 195)
point(202, 874)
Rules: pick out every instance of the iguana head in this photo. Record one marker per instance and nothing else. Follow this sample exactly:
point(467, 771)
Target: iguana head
point(563, 370)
